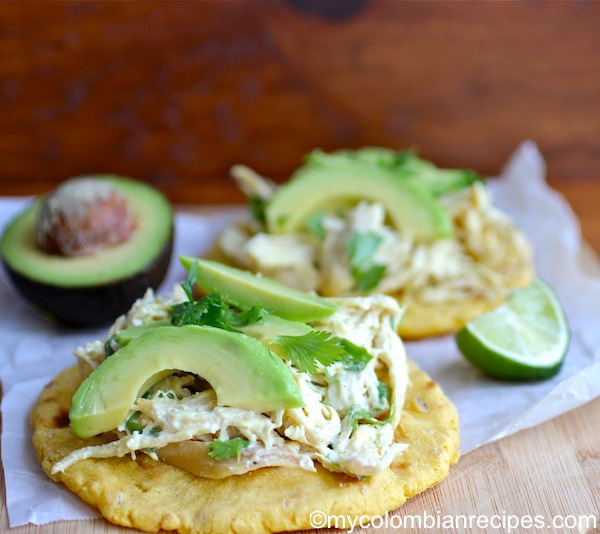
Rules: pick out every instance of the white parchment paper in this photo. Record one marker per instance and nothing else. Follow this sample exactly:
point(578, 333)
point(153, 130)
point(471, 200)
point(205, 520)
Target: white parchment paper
point(33, 351)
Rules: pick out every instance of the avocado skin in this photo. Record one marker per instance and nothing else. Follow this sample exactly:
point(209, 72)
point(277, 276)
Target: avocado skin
point(92, 305)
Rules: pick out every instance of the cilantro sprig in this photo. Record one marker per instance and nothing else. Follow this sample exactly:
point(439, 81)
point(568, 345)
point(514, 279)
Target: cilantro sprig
point(356, 358)
point(362, 245)
point(224, 449)
point(367, 278)
point(305, 351)
point(317, 346)
point(359, 415)
point(211, 310)
point(190, 282)
point(361, 248)
point(315, 226)
point(258, 206)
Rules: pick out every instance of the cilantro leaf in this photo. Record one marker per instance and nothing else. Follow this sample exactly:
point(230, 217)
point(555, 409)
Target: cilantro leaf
point(257, 207)
point(213, 311)
point(218, 313)
point(132, 425)
point(223, 450)
point(251, 316)
point(187, 313)
point(356, 357)
point(401, 158)
point(367, 278)
point(383, 391)
point(192, 278)
point(305, 351)
point(362, 246)
point(315, 224)
point(109, 349)
point(358, 415)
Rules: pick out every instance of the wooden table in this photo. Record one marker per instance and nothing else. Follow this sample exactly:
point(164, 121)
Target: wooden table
point(550, 470)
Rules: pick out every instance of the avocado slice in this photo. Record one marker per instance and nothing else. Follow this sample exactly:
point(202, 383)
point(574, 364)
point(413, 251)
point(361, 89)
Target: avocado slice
point(272, 326)
point(241, 370)
point(315, 188)
point(96, 288)
point(403, 163)
point(244, 289)
point(128, 334)
point(265, 331)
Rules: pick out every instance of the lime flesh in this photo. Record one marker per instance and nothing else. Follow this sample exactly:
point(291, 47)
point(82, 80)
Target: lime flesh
point(525, 338)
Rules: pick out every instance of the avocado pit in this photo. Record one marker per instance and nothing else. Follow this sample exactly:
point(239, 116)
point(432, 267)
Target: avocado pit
point(83, 216)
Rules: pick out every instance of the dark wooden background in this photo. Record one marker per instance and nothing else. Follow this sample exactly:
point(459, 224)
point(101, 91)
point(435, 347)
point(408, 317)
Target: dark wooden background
point(174, 93)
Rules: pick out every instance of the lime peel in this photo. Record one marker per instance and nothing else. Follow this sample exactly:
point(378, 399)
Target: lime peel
point(525, 338)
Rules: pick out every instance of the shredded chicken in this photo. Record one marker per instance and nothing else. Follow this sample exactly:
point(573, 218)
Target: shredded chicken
point(150, 307)
point(347, 422)
point(483, 258)
point(252, 183)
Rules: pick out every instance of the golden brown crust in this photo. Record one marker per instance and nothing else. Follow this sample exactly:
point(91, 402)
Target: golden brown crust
point(423, 319)
point(151, 495)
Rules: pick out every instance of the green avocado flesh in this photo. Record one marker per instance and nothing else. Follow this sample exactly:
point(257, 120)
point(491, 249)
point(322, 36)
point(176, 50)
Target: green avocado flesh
point(95, 288)
point(272, 326)
point(129, 334)
point(405, 164)
point(314, 188)
point(241, 370)
point(265, 331)
point(244, 289)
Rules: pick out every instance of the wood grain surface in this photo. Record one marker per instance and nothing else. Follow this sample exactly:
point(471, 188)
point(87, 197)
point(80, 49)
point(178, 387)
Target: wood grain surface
point(174, 93)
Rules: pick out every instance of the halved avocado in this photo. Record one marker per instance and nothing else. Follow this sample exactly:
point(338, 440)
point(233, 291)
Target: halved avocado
point(92, 289)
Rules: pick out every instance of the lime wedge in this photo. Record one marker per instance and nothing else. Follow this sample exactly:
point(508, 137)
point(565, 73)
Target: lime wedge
point(525, 338)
